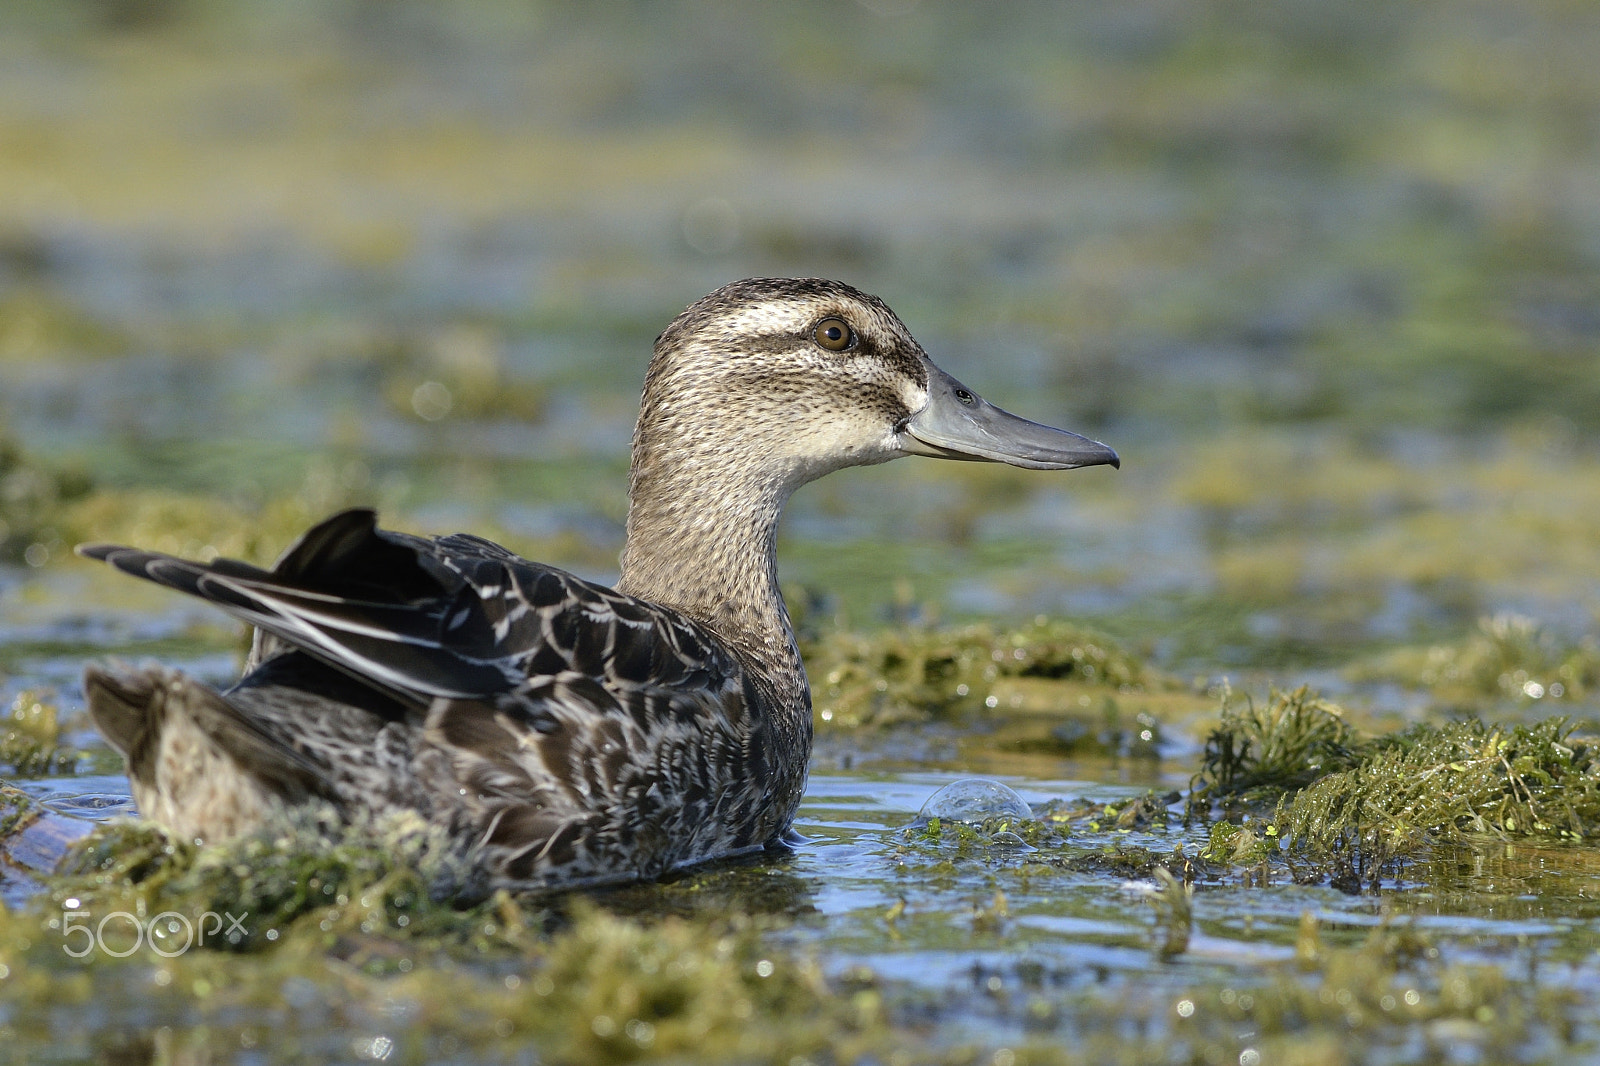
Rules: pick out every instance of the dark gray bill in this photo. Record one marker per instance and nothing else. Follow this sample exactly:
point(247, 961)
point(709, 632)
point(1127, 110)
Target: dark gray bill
point(960, 424)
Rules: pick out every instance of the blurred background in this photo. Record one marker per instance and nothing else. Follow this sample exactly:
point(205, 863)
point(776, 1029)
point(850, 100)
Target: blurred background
point(1325, 272)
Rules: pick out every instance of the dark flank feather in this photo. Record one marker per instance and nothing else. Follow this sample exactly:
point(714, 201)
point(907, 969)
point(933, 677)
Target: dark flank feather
point(561, 732)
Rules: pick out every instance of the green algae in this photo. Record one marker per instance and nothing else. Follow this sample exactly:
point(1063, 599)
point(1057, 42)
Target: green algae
point(1355, 806)
point(358, 916)
point(30, 739)
point(32, 498)
point(16, 807)
point(1256, 754)
point(1396, 995)
point(899, 676)
point(46, 508)
point(1062, 839)
point(614, 990)
point(623, 976)
point(460, 373)
point(602, 989)
point(1510, 657)
point(309, 874)
point(1447, 784)
point(35, 322)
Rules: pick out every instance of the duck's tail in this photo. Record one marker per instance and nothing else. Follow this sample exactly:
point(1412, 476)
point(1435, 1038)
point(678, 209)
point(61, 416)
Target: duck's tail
point(197, 764)
point(374, 604)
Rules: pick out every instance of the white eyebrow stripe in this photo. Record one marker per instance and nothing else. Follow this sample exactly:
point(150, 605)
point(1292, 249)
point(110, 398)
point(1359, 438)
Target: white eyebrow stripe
point(764, 317)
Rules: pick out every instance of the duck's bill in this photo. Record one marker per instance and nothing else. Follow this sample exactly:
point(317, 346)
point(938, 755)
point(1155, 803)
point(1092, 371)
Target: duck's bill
point(957, 423)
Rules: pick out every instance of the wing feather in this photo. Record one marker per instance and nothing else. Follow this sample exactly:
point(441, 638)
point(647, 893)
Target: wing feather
point(580, 729)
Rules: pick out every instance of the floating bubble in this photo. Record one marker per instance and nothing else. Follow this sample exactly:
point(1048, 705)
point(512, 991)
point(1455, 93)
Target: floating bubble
point(974, 799)
point(432, 401)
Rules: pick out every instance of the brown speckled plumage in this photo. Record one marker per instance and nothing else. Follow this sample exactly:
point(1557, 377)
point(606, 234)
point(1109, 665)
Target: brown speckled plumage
point(561, 732)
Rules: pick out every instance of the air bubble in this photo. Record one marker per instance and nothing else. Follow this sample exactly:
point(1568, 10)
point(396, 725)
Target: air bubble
point(974, 799)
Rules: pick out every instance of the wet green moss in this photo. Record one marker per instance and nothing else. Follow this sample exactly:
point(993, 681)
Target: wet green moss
point(30, 744)
point(1395, 997)
point(1256, 753)
point(309, 874)
point(1355, 806)
point(1510, 657)
point(15, 809)
point(33, 497)
point(459, 372)
point(905, 675)
point(1447, 784)
point(1081, 837)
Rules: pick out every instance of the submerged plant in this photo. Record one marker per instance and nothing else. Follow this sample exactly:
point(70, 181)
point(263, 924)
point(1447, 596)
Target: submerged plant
point(1352, 806)
point(309, 870)
point(911, 675)
point(1394, 997)
point(1173, 901)
point(15, 808)
point(30, 744)
point(32, 496)
point(1509, 657)
point(1257, 753)
point(1444, 784)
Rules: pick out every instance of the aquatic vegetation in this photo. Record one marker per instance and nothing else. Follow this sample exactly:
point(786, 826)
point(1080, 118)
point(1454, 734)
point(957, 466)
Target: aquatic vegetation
point(1073, 838)
point(32, 497)
point(36, 322)
point(1446, 784)
point(1173, 900)
point(30, 739)
point(611, 990)
point(1354, 806)
point(15, 806)
point(902, 675)
point(1141, 812)
point(46, 508)
point(1395, 997)
point(599, 989)
point(1509, 657)
point(312, 874)
point(458, 372)
point(1255, 754)
point(188, 525)
point(674, 988)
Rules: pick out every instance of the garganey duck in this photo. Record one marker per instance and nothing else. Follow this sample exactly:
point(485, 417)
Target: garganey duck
point(563, 733)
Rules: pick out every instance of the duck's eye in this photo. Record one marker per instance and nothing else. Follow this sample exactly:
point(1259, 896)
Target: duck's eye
point(966, 397)
point(834, 334)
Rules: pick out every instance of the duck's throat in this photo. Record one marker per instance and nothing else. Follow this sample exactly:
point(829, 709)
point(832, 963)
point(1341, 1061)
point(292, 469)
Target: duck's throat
point(708, 548)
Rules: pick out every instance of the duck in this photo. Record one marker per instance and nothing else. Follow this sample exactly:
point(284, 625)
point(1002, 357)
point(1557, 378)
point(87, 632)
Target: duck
point(560, 733)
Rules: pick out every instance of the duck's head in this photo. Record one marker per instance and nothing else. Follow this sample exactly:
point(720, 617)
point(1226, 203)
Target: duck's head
point(796, 377)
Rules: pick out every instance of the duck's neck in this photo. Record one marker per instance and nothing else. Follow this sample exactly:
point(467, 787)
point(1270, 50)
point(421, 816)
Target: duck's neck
point(702, 539)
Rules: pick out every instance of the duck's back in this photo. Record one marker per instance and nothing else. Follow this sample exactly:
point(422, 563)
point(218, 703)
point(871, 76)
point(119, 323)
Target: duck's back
point(563, 732)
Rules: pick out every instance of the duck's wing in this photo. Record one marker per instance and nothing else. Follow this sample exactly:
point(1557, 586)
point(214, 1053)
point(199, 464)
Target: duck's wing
point(574, 732)
point(458, 617)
